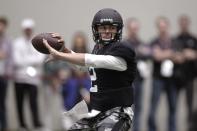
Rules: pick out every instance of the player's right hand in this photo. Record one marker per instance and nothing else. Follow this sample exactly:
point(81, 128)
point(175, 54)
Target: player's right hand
point(54, 54)
point(58, 36)
point(61, 40)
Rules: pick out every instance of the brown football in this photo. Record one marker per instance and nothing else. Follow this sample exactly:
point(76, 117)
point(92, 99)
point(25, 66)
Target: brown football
point(38, 44)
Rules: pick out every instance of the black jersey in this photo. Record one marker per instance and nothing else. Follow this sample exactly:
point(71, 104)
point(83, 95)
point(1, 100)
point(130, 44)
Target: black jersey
point(112, 88)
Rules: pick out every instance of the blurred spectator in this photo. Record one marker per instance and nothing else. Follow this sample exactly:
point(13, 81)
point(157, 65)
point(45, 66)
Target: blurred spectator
point(162, 75)
point(27, 64)
point(55, 74)
point(186, 47)
point(79, 42)
point(77, 86)
point(143, 52)
point(5, 69)
point(76, 89)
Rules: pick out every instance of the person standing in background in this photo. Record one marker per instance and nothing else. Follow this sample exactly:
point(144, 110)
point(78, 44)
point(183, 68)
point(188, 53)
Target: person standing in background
point(162, 53)
point(5, 70)
point(76, 88)
point(186, 47)
point(80, 42)
point(27, 65)
point(142, 54)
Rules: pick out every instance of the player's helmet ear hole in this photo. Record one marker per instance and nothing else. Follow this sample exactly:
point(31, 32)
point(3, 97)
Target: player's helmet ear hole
point(107, 17)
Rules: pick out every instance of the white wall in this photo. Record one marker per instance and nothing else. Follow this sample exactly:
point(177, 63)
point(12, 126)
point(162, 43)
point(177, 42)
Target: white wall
point(67, 16)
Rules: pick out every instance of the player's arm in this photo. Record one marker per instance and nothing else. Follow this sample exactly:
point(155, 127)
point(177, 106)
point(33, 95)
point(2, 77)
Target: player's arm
point(74, 66)
point(65, 50)
point(89, 60)
point(99, 61)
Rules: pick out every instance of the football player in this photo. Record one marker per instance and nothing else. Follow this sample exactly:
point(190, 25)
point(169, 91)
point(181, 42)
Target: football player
point(112, 68)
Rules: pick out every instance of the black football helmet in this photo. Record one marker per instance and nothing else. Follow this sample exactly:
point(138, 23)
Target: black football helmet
point(107, 16)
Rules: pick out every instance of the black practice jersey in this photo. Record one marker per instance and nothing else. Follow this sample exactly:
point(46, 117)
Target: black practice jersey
point(112, 88)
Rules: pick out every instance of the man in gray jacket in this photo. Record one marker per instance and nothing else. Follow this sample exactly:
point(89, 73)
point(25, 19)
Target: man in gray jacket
point(27, 64)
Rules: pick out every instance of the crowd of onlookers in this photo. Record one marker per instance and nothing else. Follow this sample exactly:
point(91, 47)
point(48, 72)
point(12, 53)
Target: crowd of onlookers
point(174, 61)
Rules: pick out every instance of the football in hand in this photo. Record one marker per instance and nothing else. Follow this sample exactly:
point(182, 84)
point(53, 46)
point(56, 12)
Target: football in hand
point(38, 44)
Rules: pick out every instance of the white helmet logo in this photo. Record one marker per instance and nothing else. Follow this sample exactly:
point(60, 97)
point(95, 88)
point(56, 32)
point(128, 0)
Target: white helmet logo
point(106, 20)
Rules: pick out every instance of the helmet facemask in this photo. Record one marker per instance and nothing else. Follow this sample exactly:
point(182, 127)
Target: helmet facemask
point(115, 36)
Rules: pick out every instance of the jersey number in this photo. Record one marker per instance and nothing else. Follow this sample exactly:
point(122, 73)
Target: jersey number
point(94, 87)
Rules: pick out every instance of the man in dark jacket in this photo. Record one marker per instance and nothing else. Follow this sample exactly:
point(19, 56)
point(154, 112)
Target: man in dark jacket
point(185, 70)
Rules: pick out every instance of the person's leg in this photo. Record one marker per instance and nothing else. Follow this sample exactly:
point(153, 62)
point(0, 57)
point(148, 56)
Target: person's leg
point(83, 124)
point(20, 94)
point(189, 99)
point(138, 90)
point(3, 88)
point(117, 119)
point(193, 125)
point(172, 100)
point(33, 94)
point(120, 124)
point(156, 92)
